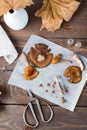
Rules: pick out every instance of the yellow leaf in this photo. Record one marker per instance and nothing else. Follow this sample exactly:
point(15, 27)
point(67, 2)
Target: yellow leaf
point(6, 5)
point(21, 4)
point(68, 9)
point(53, 12)
point(51, 20)
point(9, 2)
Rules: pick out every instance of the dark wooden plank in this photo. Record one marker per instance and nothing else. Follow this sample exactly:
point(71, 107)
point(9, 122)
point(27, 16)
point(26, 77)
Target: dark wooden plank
point(11, 118)
point(11, 94)
point(65, 120)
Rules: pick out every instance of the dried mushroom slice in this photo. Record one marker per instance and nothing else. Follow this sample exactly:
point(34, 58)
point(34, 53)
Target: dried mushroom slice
point(78, 60)
point(40, 56)
point(73, 74)
point(30, 73)
point(58, 58)
point(30, 77)
point(41, 46)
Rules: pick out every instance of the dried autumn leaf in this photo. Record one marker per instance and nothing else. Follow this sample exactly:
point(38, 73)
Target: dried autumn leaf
point(68, 9)
point(21, 4)
point(53, 12)
point(51, 20)
point(6, 5)
point(9, 2)
point(65, 1)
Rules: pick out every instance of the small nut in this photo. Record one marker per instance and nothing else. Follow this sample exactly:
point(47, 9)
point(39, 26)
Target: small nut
point(63, 100)
point(40, 85)
point(53, 91)
point(46, 91)
point(48, 84)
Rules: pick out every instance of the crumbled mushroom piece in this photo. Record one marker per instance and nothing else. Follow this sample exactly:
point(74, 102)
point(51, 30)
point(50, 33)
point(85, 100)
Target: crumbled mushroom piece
point(78, 60)
point(66, 89)
point(48, 84)
point(61, 90)
point(53, 91)
point(53, 84)
point(58, 58)
point(29, 72)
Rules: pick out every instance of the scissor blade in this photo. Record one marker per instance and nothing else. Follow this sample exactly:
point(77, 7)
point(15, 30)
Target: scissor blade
point(30, 93)
point(41, 112)
point(31, 99)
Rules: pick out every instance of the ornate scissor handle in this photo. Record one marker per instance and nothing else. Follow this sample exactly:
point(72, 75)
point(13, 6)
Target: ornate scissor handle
point(34, 115)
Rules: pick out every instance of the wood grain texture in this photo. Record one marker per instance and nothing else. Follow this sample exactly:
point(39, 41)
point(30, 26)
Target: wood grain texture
point(14, 99)
point(11, 119)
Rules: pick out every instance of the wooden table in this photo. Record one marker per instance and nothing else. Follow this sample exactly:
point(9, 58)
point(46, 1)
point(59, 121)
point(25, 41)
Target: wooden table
point(14, 99)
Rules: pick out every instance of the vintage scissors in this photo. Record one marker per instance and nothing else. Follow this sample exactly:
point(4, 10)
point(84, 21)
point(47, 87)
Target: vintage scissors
point(31, 108)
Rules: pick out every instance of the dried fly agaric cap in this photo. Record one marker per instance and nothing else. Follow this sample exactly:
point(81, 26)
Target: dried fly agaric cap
point(73, 74)
point(40, 56)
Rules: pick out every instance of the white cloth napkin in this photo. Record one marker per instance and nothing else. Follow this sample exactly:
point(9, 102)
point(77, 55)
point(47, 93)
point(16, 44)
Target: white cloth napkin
point(7, 49)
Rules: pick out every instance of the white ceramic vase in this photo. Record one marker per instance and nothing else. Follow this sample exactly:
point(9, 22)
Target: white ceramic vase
point(16, 20)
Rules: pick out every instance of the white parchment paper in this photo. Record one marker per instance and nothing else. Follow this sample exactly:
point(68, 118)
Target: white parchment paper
point(47, 75)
